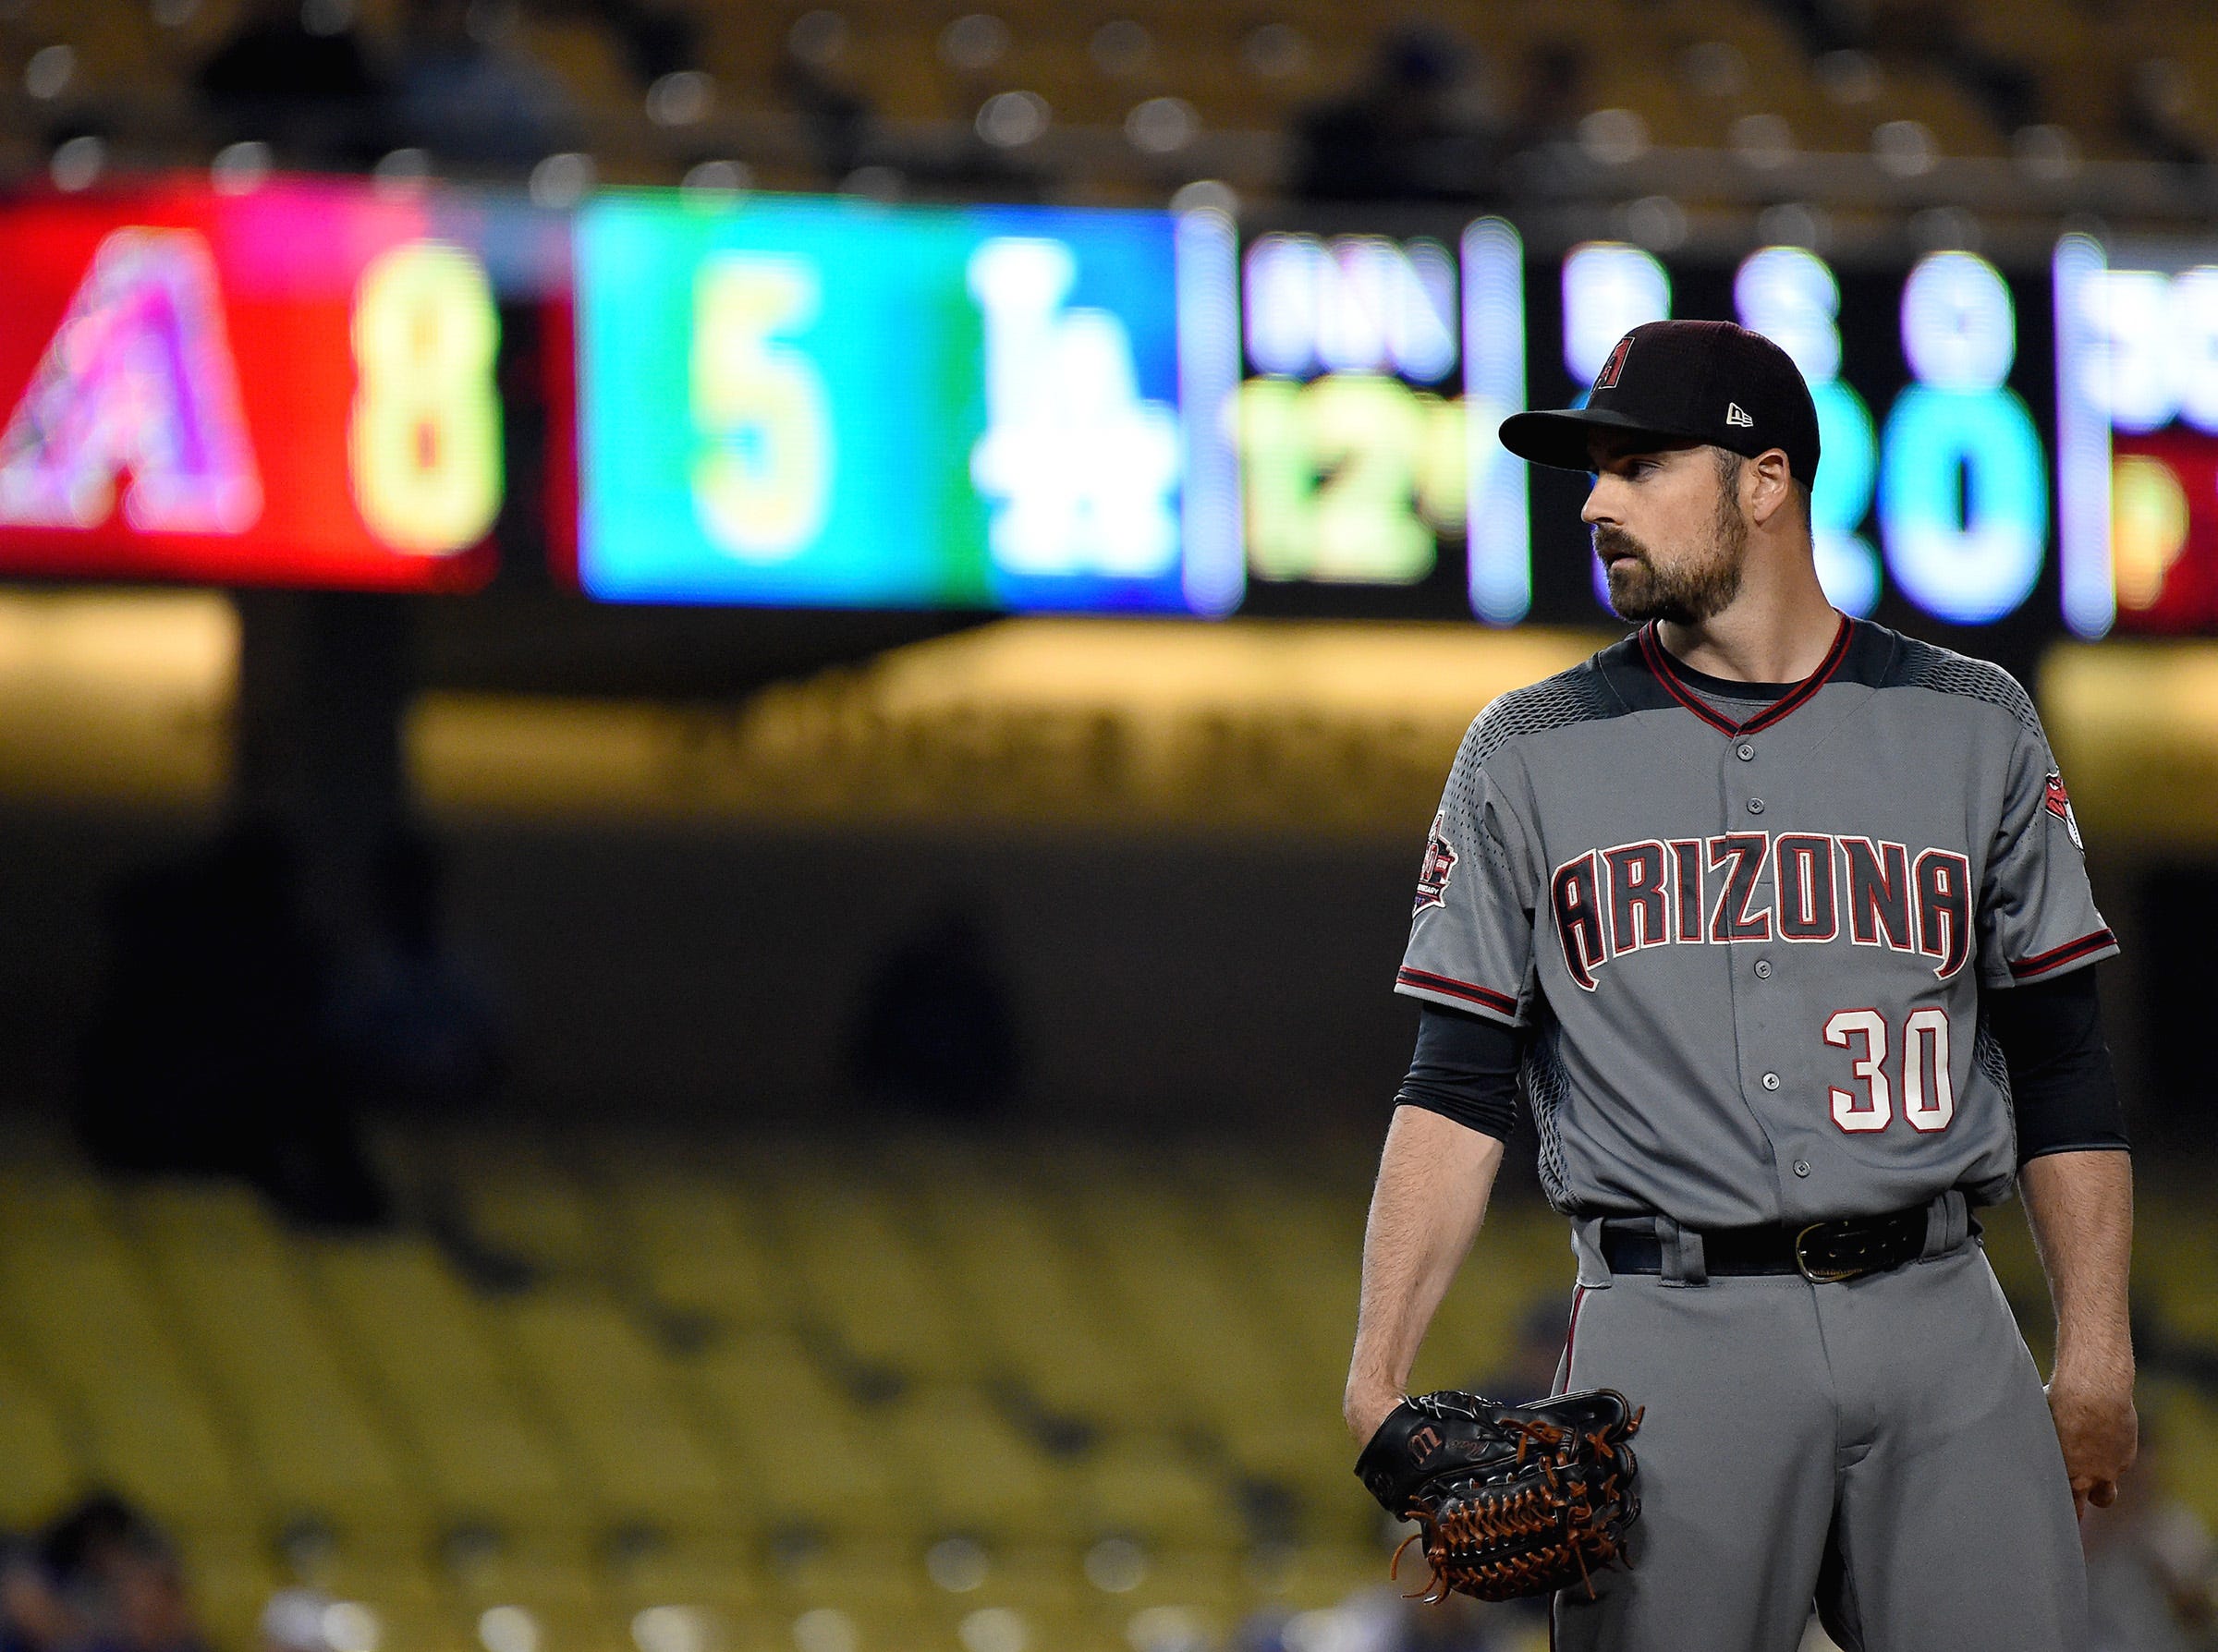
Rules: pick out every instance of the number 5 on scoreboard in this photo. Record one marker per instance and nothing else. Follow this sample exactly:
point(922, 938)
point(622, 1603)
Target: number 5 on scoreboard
point(763, 479)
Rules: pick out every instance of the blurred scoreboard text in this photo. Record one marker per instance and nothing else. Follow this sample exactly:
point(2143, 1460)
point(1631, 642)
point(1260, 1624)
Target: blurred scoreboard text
point(768, 400)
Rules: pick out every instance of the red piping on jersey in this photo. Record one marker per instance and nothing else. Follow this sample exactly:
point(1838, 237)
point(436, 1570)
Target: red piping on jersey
point(1407, 977)
point(1578, 1299)
point(2041, 963)
point(1661, 663)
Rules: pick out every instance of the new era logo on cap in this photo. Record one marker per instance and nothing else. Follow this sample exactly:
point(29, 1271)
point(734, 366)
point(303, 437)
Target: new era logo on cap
point(1686, 380)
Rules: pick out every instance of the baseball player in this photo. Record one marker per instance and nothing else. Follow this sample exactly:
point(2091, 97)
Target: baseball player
point(1779, 920)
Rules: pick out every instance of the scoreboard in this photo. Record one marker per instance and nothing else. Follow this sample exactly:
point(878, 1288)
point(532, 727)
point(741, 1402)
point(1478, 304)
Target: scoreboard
point(2137, 365)
point(291, 386)
point(1378, 370)
point(800, 401)
point(805, 401)
point(1931, 506)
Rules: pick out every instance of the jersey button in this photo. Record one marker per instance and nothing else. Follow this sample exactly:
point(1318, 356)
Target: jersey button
point(1802, 1167)
point(1763, 969)
point(1745, 751)
point(1771, 1081)
point(1755, 806)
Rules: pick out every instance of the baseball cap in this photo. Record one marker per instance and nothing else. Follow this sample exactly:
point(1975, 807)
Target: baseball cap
point(1702, 381)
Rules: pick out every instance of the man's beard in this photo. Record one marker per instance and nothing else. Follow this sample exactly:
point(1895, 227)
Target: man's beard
point(1688, 594)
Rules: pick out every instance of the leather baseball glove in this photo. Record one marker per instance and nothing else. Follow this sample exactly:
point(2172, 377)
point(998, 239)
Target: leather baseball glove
point(1509, 1500)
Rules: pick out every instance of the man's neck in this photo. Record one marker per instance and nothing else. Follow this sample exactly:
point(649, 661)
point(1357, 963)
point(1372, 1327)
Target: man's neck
point(1763, 637)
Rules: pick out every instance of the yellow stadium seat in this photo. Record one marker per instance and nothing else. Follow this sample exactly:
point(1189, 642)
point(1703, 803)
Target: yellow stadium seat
point(424, 1341)
point(1153, 1491)
point(862, 1274)
point(608, 1389)
point(972, 1471)
point(691, 1248)
point(310, 1443)
point(43, 1473)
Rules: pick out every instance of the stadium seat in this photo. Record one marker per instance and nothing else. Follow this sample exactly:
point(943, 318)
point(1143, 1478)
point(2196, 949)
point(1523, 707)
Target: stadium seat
point(428, 1347)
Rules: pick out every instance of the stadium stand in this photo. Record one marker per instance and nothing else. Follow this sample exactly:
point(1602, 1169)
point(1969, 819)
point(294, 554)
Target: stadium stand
point(606, 1390)
point(651, 93)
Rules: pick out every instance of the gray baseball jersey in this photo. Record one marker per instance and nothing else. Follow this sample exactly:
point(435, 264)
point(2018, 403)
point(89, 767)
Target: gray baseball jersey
point(1750, 954)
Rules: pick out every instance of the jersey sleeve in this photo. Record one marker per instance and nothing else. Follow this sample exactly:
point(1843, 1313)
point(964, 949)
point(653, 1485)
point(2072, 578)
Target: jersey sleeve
point(1470, 935)
point(2037, 913)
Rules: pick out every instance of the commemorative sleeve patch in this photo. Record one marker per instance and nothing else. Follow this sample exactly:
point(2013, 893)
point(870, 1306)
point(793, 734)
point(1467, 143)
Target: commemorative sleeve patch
point(2059, 803)
point(1439, 865)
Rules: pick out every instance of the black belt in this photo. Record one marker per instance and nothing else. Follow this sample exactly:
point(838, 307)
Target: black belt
point(1819, 1251)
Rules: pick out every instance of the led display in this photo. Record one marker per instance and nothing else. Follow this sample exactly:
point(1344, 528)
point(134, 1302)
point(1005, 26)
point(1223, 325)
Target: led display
point(1932, 502)
point(1377, 371)
point(290, 386)
point(828, 402)
point(2136, 424)
point(791, 400)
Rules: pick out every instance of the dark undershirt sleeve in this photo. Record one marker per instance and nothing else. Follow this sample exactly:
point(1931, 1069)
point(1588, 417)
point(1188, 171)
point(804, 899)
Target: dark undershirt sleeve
point(1465, 1069)
point(2061, 1084)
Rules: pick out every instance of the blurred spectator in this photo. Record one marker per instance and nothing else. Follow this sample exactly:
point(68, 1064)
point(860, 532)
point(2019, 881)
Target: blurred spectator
point(1924, 34)
point(121, 1580)
point(657, 40)
point(835, 118)
point(208, 1051)
point(463, 92)
point(2156, 113)
point(2152, 1567)
point(937, 1032)
point(1419, 129)
point(292, 74)
point(33, 1615)
point(1551, 96)
point(415, 1024)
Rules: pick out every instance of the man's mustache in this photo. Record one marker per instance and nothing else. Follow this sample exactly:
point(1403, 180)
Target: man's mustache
point(1610, 543)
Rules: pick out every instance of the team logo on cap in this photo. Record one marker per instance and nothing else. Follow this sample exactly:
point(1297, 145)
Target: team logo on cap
point(1607, 378)
point(1736, 414)
point(1432, 876)
point(2059, 803)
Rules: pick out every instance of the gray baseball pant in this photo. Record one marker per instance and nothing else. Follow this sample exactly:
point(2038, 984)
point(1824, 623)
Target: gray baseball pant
point(1880, 1446)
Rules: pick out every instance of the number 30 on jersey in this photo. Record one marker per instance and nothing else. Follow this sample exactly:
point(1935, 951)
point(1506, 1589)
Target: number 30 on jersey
point(1929, 1098)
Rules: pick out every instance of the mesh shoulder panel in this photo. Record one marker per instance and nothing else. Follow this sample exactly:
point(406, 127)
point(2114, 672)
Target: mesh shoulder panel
point(1988, 1057)
point(1576, 695)
point(1923, 665)
point(1546, 1084)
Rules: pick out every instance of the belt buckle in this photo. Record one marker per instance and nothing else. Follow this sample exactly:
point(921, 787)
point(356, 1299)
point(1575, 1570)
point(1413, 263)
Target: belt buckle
point(1820, 1276)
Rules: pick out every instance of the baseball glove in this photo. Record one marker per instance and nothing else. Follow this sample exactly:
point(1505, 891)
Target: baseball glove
point(1509, 1500)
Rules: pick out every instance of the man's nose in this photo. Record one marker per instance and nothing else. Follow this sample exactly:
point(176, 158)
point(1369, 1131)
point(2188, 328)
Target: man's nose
point(1601, 506)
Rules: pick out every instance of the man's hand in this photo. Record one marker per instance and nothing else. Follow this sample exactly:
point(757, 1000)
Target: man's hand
point(1366, 1408)
point(2099, 1432)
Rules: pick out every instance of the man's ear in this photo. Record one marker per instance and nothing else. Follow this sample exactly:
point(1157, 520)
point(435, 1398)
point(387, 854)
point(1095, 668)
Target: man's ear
point(1770, 486)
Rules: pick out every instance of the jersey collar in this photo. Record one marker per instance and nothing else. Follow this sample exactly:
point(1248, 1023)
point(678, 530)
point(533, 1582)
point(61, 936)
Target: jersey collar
point(1666, 672)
